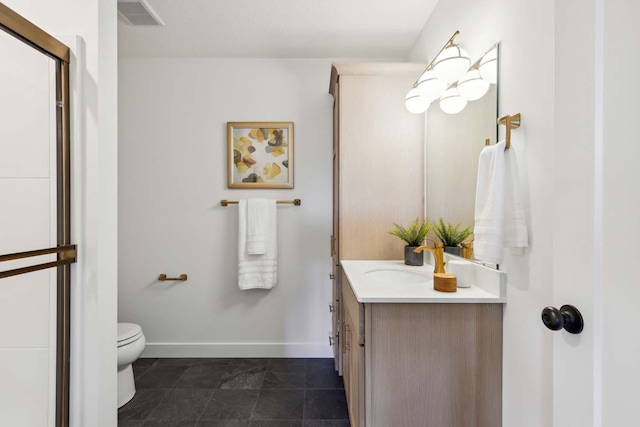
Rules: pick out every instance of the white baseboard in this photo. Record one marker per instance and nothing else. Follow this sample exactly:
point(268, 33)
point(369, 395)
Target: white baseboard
point(313, 349)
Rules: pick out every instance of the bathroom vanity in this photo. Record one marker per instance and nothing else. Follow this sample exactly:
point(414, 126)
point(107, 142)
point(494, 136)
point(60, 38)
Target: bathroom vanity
point(409, 356)
point(413, 356)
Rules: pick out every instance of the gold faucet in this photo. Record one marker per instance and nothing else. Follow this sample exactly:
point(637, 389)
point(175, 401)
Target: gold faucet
point(438, 254)
point(467, 249)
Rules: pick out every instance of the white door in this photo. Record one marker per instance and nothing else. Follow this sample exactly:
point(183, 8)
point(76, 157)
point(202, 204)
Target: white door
point(28, 221)
point(597, 211)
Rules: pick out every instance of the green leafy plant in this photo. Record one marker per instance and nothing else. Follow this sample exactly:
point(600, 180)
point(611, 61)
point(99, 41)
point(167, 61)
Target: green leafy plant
point(451, 235)
point(414, 234)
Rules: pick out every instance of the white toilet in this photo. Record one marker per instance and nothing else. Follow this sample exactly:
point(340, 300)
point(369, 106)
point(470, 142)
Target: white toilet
point(131, 343)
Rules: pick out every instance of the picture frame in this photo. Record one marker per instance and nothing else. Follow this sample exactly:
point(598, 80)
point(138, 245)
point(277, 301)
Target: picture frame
point(260, 154)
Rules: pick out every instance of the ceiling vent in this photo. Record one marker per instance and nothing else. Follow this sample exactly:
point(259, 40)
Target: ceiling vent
point(138, 13)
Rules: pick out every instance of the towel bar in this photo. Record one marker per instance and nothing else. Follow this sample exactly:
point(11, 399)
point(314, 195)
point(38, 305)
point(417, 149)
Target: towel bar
point(295, 202)
point(66, 255)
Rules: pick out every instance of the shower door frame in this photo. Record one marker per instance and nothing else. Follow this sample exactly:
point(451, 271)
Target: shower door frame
point(19, 27)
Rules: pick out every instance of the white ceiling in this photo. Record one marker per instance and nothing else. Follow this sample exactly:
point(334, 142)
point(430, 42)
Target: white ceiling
point(278, 29)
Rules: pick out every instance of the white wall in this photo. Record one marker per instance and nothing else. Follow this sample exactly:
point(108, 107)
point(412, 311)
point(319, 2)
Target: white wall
point(94, 198)
point(526, 32)
point(621, 200)
point(172, 115)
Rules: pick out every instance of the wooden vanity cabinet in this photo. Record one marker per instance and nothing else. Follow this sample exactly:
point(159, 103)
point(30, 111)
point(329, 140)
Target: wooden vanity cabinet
point(378, 151)
point(422, 364)
point(403, 364)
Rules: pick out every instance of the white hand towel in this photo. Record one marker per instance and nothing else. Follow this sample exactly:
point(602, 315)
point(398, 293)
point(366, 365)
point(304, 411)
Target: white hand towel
point(258, 223)
point(489, 216)
point(515, 222)
point(257, 271)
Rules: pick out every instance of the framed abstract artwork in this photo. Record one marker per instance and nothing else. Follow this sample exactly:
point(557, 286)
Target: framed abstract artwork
point(260, 154)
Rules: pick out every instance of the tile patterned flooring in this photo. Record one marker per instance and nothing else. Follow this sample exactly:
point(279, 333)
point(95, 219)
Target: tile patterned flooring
point(236, 393)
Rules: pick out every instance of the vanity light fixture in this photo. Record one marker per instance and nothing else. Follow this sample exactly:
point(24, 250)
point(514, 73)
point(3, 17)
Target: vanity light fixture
point(416, 102)
point(451, 102)
point(488, 66)
point(429, 85)
point(472, 86)
point(450, 78)
point(451, 63)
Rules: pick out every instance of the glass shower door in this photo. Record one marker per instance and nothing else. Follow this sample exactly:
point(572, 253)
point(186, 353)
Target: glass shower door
point(34, 225)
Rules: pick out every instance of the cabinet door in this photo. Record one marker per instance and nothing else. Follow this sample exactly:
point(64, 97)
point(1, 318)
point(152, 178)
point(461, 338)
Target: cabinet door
point(351, 370)
point(335, 257)
point(346, 360)
point(335, 236)
point(370, 200)
point(355, 352)
point(336, 318)
point(353, 357)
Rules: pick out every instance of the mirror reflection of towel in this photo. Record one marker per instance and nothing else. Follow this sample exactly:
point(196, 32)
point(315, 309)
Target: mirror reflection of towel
point(255, 270)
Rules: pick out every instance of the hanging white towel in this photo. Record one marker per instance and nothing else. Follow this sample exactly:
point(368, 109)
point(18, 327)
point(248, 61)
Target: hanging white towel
point(489, 216)
point(257, 271)
point(258, 224)
point(515, 222)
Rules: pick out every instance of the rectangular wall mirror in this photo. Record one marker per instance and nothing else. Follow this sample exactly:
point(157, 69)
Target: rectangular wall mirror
point(453, 146)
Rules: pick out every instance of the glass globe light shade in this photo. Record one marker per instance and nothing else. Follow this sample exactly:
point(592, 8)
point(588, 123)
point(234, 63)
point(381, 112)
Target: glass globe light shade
point(451, 64)
point(489, 66)
point(472, 86)
point(451, 102)
point(415, 102)
point(430, 86)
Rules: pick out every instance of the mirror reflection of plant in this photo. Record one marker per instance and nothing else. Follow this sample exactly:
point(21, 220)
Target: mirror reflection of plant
point(414, 234)
point(451, 235)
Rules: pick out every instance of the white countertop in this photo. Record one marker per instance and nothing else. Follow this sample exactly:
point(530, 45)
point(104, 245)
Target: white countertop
point(371, 290)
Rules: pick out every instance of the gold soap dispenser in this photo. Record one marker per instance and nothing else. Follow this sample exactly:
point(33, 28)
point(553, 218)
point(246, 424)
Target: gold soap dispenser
point(442, 281)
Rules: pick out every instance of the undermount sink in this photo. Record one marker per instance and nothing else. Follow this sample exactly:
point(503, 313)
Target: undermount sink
point(397, 275)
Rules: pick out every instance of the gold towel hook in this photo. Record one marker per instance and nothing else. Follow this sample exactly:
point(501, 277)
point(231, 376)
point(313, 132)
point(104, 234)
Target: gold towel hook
point(511, 122)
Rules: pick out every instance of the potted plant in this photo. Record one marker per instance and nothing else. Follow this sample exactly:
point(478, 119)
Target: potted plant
point(413, 235)
point(451, 236)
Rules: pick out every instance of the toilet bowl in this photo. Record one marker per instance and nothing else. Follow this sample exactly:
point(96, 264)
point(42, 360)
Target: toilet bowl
point(131, 343)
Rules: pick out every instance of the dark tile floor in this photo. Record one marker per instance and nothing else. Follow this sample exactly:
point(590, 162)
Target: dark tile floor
point(236, 393)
